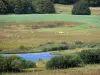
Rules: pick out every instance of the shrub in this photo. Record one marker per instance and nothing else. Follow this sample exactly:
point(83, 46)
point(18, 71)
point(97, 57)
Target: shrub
point(94, 3)
point(45, 6)
point(55, 47)
point(64, 62)
point(78, 42)
point(29, 64)
point(90, 56)
point(16, 65)
point(22, 47)
point(11, 63)
point(3, 7)
point(81, 7)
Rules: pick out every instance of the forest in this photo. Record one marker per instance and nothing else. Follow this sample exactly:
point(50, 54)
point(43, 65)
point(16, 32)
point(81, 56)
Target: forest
point(36, 6)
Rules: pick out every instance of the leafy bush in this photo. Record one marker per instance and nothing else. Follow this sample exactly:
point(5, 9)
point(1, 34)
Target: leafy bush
point(22, 47)
point(14, 63)
point(94, 3)
point(55, 47)
point(64, 62)
point(3, 7)
point(45, 6)
point(64, 1)
point(81, 7)
point(29, 64)
point(90, 56)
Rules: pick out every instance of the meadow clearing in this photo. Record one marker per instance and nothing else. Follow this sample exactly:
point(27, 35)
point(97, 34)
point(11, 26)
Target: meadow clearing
point(30, 31)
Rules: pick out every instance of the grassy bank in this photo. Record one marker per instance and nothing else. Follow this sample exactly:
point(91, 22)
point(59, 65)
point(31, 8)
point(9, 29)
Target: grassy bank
point(87, 70)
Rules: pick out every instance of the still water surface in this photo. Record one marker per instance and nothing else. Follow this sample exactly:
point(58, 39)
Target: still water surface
point(35, 56)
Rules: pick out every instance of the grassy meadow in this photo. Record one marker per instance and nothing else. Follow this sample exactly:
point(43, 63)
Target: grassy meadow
point(87, 70)
point(32, 30)
point(31, 33)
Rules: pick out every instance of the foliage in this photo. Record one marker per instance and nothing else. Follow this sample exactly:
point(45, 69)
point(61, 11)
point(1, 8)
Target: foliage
point(26, 6)
point(81, 8)
point(29, 64)
point(94, 3)
point(90, 56)
point(3, 7)
point(64, 1)
point(14, 63)
point(66, 61)
point(54, 47)
point(45, 6)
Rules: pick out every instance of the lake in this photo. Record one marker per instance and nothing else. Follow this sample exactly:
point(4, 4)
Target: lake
point(35, 56)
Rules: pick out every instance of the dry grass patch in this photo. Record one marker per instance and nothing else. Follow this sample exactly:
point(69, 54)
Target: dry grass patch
point(88, 70)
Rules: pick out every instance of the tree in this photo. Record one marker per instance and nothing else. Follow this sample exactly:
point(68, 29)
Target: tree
point(3, 7)
point(16, 65)
point(45, 6)
point(66, 61)
point(81, 7)
point(29, 64)
point(94, 3)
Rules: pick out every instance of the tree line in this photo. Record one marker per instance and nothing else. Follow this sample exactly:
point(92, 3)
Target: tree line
point(41, 6)
point(26, 6)
point(93, 3)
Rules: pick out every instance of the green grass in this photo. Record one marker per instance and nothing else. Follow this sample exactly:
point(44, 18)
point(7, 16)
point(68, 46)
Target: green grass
point(16, 30)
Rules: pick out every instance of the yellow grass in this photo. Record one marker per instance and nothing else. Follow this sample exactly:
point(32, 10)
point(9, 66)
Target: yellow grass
point(87, 70)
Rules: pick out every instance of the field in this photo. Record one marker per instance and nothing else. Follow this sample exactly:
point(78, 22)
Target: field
point(32, 30)
point(31, 33)
point(87, 70)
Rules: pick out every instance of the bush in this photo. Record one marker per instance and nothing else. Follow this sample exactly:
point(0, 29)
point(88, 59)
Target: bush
point(22, 47)
point(90, 56)
point(45, 6)
point(94, 3)
point(55, 47)
point(81, 8)
point(64, 1)
point(30, 64)
point(64, 62)
point(14, 63)
point(3, 7)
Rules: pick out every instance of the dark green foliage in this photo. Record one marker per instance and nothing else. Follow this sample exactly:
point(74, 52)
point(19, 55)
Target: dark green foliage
point(64, 1)
point(17, 9)
point(81, 8)
point(64, 62)
point(45, 6)
point(29, 64)
point(3, 7)
point(90, 56)
point(94, 3)
point(54, 47)
point(14, 63)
